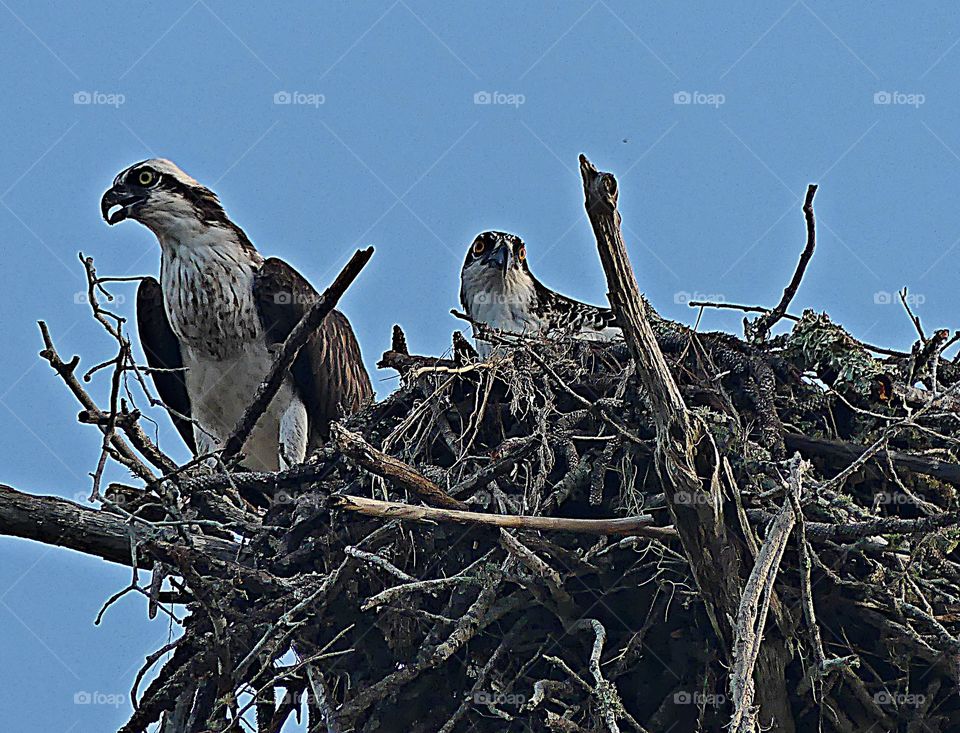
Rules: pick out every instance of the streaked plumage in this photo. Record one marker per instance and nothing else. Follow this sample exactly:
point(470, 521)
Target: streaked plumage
point(498, 289)
point(214, 317)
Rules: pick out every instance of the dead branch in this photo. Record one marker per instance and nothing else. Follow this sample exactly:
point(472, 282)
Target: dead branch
point(639, 526)
point(59, 522)
point(752, 614)
point(65, 370)
point(762, 325)
point(694, 505)
point(354, 447)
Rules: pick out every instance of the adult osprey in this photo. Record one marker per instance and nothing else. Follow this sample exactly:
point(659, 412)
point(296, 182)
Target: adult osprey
point(498, 289)
point(212, 319)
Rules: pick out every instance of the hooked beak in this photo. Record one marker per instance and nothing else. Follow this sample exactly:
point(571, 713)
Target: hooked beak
point(502, 257)
point(119, 196)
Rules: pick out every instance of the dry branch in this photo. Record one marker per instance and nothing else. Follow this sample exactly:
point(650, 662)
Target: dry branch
point(764, 323)
point(694, 504)
point(55, 521)
point(354, 447)
point(639, 526)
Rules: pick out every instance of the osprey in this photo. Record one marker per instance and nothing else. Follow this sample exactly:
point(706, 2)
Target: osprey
point(211, 325)
point(498, 289)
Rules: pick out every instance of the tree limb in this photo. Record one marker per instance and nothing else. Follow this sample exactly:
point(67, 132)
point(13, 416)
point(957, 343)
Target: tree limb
point(55, 521)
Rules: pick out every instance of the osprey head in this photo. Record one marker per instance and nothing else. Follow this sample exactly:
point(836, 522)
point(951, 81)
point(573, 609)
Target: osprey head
point(496, 253)
point(160, 196)
point(495, 268)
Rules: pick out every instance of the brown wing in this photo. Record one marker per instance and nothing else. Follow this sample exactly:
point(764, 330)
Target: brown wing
point(162, 350)
point(328, 374)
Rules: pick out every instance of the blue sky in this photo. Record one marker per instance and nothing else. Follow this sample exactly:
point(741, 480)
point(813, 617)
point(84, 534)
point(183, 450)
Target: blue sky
point(383, 142)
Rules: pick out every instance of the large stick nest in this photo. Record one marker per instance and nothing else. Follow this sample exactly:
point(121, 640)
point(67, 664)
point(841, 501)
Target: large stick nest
point(370, 622)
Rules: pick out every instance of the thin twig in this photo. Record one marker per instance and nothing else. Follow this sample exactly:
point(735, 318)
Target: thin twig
point(763, 324)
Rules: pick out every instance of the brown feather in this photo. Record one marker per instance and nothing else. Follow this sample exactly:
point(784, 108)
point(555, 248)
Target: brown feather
point(162, 350)
point(328, 374)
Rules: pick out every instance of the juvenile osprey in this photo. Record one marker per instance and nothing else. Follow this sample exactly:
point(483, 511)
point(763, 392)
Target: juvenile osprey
point(215, 314)
point(498, 289)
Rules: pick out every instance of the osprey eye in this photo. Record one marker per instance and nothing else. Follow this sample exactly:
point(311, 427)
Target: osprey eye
point(479, 246)
point(146, 178)
point(522, 254)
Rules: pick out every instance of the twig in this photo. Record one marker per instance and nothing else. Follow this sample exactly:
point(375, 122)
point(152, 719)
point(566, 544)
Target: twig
point(66, 372)
point(380, 562)
point(752, 614)
point(639, 525)
point(129, 422)
point(949, 472)
point(354, 447)
point(764, 323)
point(737, 307)
point(913, 318)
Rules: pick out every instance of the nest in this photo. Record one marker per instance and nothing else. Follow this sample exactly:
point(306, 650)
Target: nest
point(434, 623)
point(684, 531)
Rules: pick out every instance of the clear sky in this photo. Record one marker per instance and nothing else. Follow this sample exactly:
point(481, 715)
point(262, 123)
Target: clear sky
point(385, 140)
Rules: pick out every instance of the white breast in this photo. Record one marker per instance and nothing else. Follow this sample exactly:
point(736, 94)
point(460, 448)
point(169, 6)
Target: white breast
point(504, 303)
point(221, 389)
point(208, 295)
